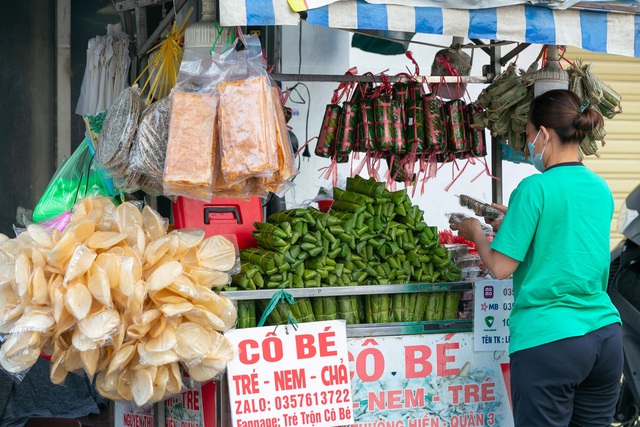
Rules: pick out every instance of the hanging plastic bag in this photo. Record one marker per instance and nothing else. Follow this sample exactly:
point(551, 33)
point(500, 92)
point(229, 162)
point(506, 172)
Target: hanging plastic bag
point(74, 179)
point(190, 167)
point(118, 130)
point(280, 181)
point(246, 117)
point(150, 144)
point(191, 147)
point(149, 149)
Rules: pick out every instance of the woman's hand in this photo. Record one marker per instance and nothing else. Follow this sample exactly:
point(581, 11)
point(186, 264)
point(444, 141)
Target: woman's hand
point(496, 223)
point(469, 228)
point(501, 265)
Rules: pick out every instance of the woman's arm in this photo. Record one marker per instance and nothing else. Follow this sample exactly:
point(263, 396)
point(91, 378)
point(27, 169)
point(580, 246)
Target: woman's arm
point(500, 265)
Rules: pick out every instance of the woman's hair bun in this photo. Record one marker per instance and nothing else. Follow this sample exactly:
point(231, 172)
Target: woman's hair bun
point(564, 112)
point(588, 120)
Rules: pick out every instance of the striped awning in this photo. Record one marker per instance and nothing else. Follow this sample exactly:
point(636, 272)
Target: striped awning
point(595, 30)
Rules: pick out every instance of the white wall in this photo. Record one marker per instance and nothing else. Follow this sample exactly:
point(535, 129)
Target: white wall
point(328, 51)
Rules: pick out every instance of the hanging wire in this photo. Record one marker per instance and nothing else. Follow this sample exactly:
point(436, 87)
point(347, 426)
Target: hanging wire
point(306, 152)
point(302, 101)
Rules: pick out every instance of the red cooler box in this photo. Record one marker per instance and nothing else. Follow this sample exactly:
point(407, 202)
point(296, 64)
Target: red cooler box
point(220, 216)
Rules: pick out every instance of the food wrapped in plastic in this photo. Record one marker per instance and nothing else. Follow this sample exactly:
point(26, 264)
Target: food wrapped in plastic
point(457, 217)
point(109, 294)
point(150, 144)
point(241, 190)
point(279, 182)
point(193, 136)
point(480, 208)
point(132, 181)
point(247, 130)
point(326, 140)
point(118, 131)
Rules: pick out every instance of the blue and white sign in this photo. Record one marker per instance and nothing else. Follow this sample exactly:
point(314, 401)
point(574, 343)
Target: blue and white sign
point(493, 300)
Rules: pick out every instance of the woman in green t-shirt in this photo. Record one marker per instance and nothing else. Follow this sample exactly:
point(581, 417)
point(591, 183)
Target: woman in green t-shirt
point(566, 348)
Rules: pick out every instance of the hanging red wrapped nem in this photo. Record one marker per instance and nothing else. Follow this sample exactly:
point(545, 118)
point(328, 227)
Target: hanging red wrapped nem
point(415, 118)
point(346, 134)
point(435, 136)
point(328, 131)
point(475, 130)
point(458, 142)
point(383, 116)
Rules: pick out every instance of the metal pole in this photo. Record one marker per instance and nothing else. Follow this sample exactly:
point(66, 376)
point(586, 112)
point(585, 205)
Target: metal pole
point(63, 79)
point(496, 146)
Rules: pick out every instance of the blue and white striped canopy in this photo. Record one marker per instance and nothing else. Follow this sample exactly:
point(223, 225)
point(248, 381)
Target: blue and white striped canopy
point(595, 30)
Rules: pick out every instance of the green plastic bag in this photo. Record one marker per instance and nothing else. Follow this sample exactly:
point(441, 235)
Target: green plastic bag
point(77, 177)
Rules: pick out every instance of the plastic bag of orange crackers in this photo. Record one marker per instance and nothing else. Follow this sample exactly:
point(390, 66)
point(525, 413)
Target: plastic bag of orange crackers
point(193, 135)
point(247, 118)
point(280, 181)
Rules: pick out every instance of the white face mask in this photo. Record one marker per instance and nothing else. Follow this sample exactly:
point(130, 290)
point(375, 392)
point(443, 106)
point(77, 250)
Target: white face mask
point(536, 160)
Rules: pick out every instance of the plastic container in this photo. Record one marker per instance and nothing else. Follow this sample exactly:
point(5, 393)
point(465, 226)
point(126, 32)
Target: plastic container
point(466, 295)
point(458, 250)
point(220, 216)
point(470, 273)
point(468, 261)
point(479, 208)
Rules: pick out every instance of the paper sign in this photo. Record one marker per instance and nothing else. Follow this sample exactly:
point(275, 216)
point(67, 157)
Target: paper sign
point(192, 408)
point(493, 300)
point(283, 377)
point(428, 380)
point(127, 414)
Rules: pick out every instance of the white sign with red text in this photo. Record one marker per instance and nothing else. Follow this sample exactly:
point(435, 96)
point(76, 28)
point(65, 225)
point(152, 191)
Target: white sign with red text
point(493, 301)
point(127, 414)
point(428, 380)
point(282, 377)
point(192, 407)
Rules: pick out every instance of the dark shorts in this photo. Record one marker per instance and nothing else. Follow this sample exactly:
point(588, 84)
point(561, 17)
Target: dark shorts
point(571, 382)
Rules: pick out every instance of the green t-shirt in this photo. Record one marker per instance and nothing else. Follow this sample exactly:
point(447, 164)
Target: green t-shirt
point(558, 226)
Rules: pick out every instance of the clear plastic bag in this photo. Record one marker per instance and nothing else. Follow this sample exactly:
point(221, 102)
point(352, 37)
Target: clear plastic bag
point(76, 178)
point(280, 181)
point(118, 131)
point(457, 218)
point(247, 122)
point(150, 144)
point(193, 135)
